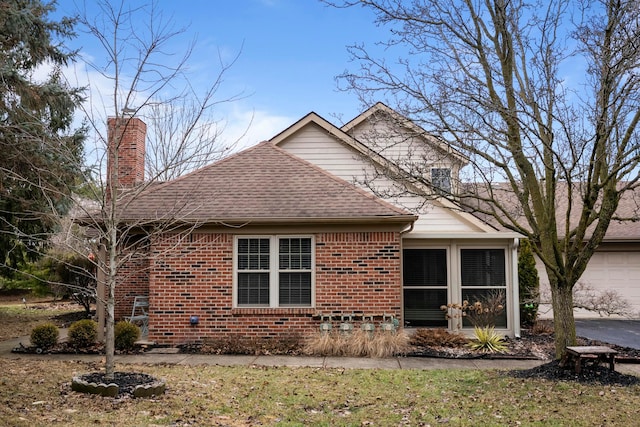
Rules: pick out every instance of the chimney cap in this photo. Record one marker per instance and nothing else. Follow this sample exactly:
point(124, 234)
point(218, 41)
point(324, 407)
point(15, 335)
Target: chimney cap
point(128, 111)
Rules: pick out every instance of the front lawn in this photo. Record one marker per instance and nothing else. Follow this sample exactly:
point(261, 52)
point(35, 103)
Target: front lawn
point(37, 393)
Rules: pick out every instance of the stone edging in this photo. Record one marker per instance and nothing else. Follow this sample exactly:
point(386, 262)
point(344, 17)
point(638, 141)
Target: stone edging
point(111, 390)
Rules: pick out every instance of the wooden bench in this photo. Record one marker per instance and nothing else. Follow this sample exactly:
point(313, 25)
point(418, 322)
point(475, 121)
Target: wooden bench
point(575, 356)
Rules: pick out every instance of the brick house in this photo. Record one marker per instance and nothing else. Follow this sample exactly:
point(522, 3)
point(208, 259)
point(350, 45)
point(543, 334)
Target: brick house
point(267, 241)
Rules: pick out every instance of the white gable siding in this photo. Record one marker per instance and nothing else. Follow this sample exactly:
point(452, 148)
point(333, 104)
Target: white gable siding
point(316, 146)
point(396, 144)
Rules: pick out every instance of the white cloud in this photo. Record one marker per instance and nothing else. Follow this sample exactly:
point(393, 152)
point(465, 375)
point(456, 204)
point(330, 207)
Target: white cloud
point(249, 127)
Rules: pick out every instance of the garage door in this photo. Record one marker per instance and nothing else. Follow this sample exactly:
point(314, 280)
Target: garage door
point(618, 271)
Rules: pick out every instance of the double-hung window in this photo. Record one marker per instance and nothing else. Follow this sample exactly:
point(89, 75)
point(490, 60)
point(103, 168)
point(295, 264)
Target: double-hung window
point(274, 271)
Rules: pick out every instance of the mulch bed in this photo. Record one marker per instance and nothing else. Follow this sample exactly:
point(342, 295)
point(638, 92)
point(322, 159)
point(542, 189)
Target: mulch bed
point(126, 381)
point(593, 374)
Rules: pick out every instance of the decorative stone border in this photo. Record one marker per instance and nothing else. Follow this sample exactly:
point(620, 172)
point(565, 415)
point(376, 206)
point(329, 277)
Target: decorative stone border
point(111, 390)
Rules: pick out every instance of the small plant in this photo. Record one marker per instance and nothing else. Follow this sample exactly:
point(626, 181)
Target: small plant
point(483, 312)
point(45, 336)
point(542, 327)
point(126, 335)
point(83, 333)
point(487, 340)
point(437, 338)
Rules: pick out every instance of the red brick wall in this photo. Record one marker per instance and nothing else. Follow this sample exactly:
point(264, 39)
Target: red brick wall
point(358, 272)
point(133, 279)
point(193, 276)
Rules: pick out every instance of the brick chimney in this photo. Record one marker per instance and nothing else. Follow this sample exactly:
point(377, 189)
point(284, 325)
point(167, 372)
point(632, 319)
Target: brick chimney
point(126, 137)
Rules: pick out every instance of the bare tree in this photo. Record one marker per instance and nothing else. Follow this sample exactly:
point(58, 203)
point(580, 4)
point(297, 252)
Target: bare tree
point(146, 80)
point(544, 100)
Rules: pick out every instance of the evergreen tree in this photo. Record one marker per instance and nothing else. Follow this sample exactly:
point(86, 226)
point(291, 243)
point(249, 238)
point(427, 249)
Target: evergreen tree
point(529, 284)
point(40, 152)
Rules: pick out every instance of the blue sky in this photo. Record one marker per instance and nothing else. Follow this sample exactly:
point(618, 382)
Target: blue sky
point(292, 50)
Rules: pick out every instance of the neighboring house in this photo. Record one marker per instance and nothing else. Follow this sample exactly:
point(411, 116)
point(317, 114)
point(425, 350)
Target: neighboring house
point(275, 237)
point(613, 272)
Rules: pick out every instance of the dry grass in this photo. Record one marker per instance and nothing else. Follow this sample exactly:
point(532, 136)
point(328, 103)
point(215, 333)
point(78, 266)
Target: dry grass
point(357, 343)
point(37, 393)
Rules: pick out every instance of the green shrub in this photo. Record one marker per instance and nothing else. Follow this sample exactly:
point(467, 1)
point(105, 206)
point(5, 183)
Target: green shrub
point(126, 335)
point(83, 333)
point(487, 340)
point(44, 336)
point(529, 284)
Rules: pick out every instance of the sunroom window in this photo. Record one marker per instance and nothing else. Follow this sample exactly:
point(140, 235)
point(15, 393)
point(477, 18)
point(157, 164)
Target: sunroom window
point(483, 276)
point(424, 287)
point(274, 271)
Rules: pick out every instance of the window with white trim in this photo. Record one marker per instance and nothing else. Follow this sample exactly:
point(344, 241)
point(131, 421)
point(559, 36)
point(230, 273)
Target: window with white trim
point(274, 271)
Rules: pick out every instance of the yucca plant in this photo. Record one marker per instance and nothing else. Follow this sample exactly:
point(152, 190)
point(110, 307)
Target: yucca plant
point(487, 340)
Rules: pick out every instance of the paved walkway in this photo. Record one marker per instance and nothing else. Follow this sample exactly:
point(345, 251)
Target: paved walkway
point(170, 356)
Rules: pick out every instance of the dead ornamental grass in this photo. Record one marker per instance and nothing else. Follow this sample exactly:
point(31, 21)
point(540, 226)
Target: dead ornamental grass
point(38, 393)
point(357, 343)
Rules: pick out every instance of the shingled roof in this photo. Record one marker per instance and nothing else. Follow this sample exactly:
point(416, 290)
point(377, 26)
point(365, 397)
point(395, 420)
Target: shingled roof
point(262, 184)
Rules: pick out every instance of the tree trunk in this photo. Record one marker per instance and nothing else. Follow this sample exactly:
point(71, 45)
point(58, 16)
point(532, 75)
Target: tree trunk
point(109, 346)
point(564, 324)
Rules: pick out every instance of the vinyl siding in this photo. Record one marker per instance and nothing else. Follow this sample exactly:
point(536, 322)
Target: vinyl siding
point(316, 146)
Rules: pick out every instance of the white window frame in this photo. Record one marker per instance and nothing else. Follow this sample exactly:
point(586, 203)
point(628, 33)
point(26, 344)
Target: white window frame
point(274, 270)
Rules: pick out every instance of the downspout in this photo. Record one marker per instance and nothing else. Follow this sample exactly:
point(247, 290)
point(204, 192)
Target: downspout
point(403, 232)
point(516, 287)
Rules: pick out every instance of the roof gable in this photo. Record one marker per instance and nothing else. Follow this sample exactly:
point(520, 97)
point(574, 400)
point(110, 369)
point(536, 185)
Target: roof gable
point(360, 149)
point(261, 184)
point(380, 113)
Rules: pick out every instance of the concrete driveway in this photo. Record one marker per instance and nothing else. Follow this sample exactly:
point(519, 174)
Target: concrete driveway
point(625, 333)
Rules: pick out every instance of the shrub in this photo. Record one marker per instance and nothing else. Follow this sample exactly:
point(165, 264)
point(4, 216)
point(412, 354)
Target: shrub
point(437, 338)
point(44, 336)
point(487, 340)
point(542, 327)
point(529, 284)
point(126, 335)
point(83, 333)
